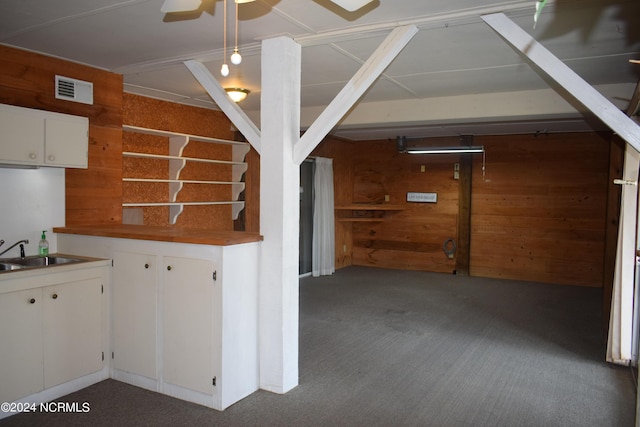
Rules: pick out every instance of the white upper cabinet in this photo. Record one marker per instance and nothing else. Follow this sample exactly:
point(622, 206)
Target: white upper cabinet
point(31, 137)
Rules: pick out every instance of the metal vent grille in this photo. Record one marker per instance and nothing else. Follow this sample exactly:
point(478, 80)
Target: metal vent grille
point(74, 90)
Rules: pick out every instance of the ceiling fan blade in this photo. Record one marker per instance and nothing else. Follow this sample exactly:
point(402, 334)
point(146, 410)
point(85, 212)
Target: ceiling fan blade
point(351, 5)
point(171, 6)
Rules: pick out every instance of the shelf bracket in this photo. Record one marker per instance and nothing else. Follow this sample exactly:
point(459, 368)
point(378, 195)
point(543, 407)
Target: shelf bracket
point(177, 145)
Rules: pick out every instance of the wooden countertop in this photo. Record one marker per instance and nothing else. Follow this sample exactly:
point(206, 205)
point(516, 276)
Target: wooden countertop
point(163, 234)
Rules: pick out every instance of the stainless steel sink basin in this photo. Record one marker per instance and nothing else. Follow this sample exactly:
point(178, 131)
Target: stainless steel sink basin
point(5, 266)
point(34, 262)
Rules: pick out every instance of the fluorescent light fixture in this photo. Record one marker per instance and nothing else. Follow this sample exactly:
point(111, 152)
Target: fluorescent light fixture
point(237, 94)
point(446, 150)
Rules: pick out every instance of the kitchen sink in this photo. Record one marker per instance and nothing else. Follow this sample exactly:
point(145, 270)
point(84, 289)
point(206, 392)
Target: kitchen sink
point(35, 261)
point(5, 266)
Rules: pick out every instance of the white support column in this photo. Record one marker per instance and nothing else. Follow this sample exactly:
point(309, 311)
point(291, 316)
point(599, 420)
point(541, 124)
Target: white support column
point(279, 215)
point(566, 77)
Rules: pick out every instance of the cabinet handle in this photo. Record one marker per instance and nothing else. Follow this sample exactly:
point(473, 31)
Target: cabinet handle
point(51, 157)
point(54, 296)
point(169, 267)
point(32, 156)
point(146, 266)
point(32, 301)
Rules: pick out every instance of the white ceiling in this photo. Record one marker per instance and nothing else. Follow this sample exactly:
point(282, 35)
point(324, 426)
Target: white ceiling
point(455, 76)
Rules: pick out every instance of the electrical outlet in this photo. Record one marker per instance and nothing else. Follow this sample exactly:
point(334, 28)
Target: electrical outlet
point(423, 168)
point(344, 248)
point(386, 198)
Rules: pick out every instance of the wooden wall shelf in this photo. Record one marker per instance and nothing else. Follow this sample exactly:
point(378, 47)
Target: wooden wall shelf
point(370, 212)
point(369, 207)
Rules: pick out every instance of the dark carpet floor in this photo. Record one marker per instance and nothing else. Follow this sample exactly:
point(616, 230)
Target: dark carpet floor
point(397, 348)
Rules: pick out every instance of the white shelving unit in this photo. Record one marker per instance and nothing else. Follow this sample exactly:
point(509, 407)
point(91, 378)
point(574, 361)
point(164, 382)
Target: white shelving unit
point(177, 162)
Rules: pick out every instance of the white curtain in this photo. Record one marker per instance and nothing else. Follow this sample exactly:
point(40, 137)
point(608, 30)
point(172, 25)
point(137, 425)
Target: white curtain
point(323, 256)
point(621, 331)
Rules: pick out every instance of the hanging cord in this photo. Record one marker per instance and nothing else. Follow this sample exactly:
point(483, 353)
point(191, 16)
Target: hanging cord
point(224, 29)
point(484, 160)
point(236, 48)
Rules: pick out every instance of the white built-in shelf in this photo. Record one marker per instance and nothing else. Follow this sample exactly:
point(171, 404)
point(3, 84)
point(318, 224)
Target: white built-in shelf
point(165, 133)
point(177, 162)
point(179, 204)
point(185, 181)
point(188, 159)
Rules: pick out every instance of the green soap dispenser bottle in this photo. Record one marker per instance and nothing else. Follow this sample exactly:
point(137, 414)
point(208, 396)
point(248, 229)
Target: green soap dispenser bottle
point(43, 245)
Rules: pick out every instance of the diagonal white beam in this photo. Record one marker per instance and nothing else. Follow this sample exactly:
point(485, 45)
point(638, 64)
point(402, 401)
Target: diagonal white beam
point(582, 91)
point(238, 117)
point(353, 90)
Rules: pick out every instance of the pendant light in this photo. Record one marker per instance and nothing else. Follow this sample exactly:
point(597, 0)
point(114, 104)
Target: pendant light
point(236, 58)
point(225, 68)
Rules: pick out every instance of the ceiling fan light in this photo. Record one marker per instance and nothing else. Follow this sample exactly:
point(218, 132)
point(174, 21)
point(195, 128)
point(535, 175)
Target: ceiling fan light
point(237, 94)
point(351, 5)
point(171, 6)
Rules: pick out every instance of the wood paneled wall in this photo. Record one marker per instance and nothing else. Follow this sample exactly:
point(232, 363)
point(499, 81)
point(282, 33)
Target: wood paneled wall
point(539, 213)
point(27, 79)
point(413, 238)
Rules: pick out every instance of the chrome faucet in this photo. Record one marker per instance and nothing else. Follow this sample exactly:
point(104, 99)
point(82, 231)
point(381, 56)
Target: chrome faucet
point(19, 242)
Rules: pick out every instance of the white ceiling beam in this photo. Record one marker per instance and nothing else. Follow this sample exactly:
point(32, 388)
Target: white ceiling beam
point(238, 117)
point(353, 90)
point(582, 91)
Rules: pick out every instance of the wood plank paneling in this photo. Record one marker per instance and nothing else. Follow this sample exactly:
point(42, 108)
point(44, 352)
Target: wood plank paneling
point(27, 79)
point(539, 214)
point(408, 239)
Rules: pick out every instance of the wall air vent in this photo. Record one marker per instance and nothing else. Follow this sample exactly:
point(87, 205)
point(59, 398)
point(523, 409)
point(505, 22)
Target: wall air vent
point(74, 90)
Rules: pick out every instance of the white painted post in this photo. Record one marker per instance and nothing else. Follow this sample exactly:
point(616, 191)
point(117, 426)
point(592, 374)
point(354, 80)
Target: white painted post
point(279, 215)
point(582, 91)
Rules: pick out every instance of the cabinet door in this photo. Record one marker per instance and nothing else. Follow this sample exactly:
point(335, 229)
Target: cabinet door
point(134, 303)
point(21, 138)
point(21, 344)
point(72, 314)
point(66, 142)
point(187, 323)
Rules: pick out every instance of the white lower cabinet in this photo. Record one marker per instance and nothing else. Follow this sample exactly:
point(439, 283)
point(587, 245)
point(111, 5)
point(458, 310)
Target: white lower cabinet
point(134, 311)
point(21, 350)
point(72, 330)
point(184, 316)
point(51, 335)
point(187, 324)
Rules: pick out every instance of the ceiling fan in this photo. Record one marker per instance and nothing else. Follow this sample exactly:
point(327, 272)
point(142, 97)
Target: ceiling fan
point(172, 6)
